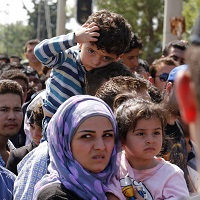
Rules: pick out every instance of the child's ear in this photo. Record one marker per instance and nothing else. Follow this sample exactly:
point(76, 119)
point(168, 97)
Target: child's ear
point(186, 97)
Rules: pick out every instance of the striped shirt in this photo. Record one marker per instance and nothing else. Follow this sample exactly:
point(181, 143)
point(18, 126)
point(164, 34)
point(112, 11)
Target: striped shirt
point(67, 74)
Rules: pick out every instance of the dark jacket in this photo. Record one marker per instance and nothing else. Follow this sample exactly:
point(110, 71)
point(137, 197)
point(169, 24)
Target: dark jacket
point(57, 191)
point(17, 155)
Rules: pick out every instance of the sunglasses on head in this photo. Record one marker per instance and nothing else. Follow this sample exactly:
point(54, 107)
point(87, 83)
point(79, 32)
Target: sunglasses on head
point(163, 77)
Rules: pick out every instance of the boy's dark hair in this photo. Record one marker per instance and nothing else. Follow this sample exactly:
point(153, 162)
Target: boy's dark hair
point(31, 42)
point(13, 75)
point(114, 29)
point(96, 77)
point(10, 86)
point(15, 56)
point(124, 84)
point(118, 85)
point(36, 115)
point(133, 109)
point(178, 44)
point(144, 64)
point(135, 43)
point(156, 63)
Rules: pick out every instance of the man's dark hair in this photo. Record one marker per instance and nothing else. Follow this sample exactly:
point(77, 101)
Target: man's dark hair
point(178, 44)
point(135, 43)
point(124, 84)
point(10, 86)
point(156, 63)
point(114, 30)
point(13, 75)
point(31, 42)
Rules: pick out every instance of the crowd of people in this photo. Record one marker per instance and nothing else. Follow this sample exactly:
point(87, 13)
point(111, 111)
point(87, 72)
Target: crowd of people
point(88, 118)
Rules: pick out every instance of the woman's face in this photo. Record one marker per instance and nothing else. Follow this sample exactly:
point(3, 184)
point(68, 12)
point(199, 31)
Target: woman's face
point(93, 143)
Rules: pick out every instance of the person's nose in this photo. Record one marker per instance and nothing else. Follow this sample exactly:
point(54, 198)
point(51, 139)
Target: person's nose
point(96, 61)
point(11, 115)
point(149, 139)
point(135, 62)
point(99, 144)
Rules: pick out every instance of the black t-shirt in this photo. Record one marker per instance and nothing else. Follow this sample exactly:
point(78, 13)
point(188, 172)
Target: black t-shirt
point(57, 191)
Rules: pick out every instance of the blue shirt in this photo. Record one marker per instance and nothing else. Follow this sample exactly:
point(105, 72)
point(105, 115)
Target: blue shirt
point(7, 179)
point(30, 170)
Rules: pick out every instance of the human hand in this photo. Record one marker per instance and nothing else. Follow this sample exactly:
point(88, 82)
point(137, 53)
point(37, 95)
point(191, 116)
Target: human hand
point(87, 33)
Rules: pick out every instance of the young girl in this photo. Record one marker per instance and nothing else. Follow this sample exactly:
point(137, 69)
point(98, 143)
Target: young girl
point(83, 150)
point(142, 175)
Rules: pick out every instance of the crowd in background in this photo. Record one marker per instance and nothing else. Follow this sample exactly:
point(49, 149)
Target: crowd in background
point(88, 118)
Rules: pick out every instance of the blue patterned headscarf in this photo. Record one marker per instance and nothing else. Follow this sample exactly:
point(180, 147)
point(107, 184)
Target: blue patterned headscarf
point(63, 167)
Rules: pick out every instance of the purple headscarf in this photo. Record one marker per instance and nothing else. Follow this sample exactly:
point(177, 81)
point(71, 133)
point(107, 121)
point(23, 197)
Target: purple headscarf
point(63, 167)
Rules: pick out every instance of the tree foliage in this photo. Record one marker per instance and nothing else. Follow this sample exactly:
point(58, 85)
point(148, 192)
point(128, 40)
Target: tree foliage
point(146, 19)
point(39, 14)
point(191, 10)
point(13, 38)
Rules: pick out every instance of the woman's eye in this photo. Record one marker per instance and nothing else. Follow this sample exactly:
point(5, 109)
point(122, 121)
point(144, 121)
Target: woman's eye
point(108, 135)
point(86, 136)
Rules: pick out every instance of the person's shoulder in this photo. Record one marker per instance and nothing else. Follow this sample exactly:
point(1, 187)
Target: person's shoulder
point(22, 151)
point(7, 173)
point(196, 197)
point(163, 164)
point(7, 179)
point(57, 191)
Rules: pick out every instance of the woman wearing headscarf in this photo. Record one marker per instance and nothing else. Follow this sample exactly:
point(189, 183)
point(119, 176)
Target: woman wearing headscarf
point(83, 143)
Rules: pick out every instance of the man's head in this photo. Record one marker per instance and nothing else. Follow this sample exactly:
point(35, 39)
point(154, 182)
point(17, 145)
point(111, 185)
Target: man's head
point(15, 59)
point(131, 56)
point(176, 49)
point(29, 50)
point(170, 100)
point(19, 77)
point(11, 99)
point(188, 89)
point(159, 71)
point(126, 84)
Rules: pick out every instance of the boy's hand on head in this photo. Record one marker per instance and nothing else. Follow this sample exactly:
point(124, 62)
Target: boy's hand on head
point(87, 33)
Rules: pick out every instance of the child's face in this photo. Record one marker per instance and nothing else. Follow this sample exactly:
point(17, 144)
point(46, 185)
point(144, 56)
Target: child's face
point(36, 133)
point(130, 59)
point(91, 57)
point(92, 144)
point(143, 143)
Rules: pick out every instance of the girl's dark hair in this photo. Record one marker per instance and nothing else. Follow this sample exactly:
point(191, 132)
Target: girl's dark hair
point(131, 110)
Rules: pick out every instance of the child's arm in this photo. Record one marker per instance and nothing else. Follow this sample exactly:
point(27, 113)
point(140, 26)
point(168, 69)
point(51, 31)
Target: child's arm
point(52, 52)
